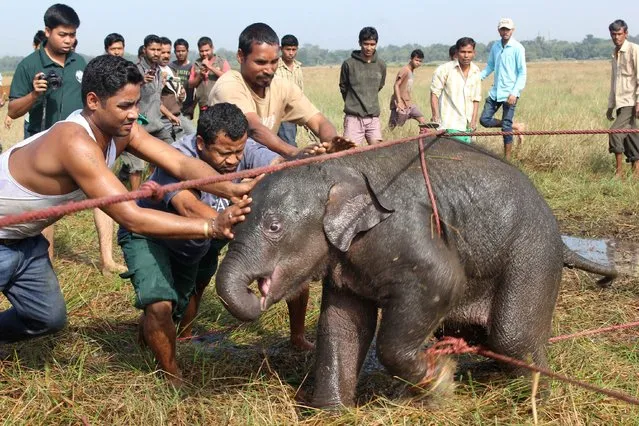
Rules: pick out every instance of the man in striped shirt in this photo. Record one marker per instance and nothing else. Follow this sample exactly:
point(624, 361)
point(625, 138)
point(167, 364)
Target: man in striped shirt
point(289, 69)
point(456, 86)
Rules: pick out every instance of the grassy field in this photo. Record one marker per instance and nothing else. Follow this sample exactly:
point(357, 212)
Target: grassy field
point(94, 372)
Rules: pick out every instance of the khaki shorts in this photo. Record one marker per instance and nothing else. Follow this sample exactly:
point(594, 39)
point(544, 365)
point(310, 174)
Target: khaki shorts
point(362, 129)
point(628, 143)
point(398, 118)
point(130, 164)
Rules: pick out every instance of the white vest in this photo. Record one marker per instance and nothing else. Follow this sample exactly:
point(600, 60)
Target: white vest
point(15, 198)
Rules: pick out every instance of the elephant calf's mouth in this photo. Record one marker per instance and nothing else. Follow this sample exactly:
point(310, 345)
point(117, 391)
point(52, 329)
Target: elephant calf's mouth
point(264, 285)
point(270, 287)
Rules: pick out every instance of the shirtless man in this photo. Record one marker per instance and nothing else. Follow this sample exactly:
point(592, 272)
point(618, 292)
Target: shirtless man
point(71, 161)
point(401, 105)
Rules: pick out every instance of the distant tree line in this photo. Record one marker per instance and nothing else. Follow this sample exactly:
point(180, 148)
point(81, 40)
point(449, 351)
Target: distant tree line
point(537, 49)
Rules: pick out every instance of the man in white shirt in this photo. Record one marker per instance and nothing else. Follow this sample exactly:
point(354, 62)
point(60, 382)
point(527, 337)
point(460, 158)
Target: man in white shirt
point(456, 86)
point(624, 97)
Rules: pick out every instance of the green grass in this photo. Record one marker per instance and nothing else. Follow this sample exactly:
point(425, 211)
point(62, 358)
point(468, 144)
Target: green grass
point(94, 372)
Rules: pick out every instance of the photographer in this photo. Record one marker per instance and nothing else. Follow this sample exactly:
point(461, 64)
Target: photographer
point(151, 92)
point(47, 83)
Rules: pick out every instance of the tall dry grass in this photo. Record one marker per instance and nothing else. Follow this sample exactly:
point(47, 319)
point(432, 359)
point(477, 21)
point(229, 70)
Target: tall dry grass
point(94, 372)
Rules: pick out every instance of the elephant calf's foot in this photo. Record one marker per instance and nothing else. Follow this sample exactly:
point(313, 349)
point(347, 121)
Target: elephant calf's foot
point(440, 377)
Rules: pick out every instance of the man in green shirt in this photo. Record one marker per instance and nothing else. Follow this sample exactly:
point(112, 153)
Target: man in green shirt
point(49, 80)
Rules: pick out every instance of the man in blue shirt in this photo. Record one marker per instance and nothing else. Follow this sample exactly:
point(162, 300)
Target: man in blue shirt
point(170, 275)
point(164, 272)
point(507, 59)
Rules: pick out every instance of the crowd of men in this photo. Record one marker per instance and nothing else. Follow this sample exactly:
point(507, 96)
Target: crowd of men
point(143, 113)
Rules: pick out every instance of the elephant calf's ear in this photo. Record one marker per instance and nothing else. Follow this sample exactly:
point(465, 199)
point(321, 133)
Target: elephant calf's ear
point(352, 208)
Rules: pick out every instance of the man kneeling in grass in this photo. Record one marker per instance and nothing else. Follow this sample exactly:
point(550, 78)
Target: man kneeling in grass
point(169, 276)
point(69, 162)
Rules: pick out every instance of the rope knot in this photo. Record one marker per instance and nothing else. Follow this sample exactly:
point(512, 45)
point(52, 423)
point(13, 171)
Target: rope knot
point(154, 189)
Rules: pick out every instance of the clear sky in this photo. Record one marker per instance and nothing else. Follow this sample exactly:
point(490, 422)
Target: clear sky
point(332, 24)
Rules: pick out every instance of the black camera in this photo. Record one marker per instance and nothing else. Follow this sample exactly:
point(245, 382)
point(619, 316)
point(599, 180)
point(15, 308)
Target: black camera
point(54, 81)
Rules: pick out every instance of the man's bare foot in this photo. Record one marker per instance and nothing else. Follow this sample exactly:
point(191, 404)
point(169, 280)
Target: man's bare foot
point(619, 176)
point(185, 334)
point(112, 268)
point(300, 343)
point(175, 379)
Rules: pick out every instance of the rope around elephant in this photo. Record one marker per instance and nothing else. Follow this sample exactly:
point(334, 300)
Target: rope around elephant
point(58, 211)
point(447, 345)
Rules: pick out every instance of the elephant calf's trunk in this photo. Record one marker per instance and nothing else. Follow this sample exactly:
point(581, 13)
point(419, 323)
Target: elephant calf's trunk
point(233, 289)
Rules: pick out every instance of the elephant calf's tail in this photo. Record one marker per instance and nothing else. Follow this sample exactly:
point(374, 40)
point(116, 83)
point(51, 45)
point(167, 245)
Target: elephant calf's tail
point(573, 260)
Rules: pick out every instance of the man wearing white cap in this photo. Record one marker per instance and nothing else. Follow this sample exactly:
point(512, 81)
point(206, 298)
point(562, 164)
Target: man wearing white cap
point(507, 59)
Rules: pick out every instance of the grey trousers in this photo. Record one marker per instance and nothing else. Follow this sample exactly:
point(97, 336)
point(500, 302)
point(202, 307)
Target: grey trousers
point(628, 143)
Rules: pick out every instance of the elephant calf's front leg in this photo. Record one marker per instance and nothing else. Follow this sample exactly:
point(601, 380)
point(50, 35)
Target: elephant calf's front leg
point(344, 333)
point(408, 318)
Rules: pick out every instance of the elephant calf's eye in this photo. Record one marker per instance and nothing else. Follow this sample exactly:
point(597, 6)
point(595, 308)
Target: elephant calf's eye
point(275, 227)
point(271, 227)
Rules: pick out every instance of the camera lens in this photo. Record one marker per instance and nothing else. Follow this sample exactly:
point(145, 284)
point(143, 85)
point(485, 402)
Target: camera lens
point(54, 81)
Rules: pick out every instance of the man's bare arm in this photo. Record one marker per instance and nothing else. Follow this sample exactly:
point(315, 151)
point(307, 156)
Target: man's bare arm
point(195, 77)
point(217, 71)
point(434, 107)
point(82, 160)
point(20, 106)
point(187, 204)
point(473, 122)
point(268, 138)
point(172, 118)
point(180, 166)
point(397, 89)
point(321, 127)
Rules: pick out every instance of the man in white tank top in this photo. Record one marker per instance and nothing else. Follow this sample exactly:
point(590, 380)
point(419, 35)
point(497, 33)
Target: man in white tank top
point(70, 162)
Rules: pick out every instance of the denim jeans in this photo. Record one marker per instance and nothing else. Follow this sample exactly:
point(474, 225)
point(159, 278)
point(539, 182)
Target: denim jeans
point(28, 281)
point(487, 117)
point(288, 133)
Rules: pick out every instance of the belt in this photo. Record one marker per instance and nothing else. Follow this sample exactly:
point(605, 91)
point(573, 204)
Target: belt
point(9, 241)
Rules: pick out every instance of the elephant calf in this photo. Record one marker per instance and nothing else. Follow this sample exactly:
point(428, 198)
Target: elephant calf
point(365, 224)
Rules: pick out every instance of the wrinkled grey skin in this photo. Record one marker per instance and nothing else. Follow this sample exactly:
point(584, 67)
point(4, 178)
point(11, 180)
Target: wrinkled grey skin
point(363, 224)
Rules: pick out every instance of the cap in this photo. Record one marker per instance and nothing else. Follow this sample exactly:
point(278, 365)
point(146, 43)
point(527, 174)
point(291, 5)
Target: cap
point(506, 23)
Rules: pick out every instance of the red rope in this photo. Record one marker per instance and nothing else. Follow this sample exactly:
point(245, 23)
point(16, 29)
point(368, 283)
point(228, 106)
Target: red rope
point(72, 207)
point(57, 211)
point(431, 194)
point(593, 331)
point(452, 345)
point(546, 132)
